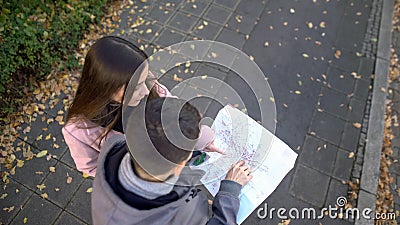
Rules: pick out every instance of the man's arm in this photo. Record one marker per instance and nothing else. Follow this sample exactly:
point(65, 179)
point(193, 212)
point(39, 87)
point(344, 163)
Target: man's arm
point(226, 203)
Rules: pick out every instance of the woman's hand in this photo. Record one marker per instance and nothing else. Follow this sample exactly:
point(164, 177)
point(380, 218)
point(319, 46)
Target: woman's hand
point(212, 148)
point(240, 173)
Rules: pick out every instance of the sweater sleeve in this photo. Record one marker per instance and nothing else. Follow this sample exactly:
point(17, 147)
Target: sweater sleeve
point(206, 137)
point(162, 91)
point(83, 145)
point(226, 203)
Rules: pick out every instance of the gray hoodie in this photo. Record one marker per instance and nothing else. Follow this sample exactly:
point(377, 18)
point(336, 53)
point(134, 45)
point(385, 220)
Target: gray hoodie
point(112, 204)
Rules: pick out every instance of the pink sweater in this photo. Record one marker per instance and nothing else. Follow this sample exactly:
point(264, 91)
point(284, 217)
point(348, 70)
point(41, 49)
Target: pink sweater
point(84, 143)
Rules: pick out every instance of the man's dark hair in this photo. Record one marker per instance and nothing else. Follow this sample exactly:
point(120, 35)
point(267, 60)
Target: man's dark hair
point(189, 119)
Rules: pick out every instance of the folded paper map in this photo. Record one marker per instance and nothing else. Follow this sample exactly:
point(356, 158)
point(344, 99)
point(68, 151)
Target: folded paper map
point(243, 138)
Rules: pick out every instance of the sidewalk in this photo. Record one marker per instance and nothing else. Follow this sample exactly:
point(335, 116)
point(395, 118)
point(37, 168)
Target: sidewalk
point(318, 57)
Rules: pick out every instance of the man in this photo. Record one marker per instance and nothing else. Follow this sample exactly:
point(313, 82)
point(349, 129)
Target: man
point(148, 182)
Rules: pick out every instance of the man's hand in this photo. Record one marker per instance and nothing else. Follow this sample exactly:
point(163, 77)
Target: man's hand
point(240, 173)
point(212, 148)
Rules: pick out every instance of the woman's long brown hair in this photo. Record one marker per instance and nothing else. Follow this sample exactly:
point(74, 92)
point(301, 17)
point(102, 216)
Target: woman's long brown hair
point(109, 65)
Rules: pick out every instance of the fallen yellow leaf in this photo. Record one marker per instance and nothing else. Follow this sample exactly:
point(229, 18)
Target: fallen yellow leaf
point(176, 78)
point(338, 53)
point(20, 163)
point(3, 196)
point(272, 99)
point(41, 154)
point(41, 186)
point(44, 195)
point(37, 91)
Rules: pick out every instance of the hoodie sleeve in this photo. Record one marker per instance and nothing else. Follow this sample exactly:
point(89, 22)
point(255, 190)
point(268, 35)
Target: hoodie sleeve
point(226, 203)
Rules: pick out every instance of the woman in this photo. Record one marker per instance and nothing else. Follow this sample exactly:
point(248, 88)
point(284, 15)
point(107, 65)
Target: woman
point(96, 111)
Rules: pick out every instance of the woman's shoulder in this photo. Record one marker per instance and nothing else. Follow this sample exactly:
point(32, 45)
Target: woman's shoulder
point(82, 127)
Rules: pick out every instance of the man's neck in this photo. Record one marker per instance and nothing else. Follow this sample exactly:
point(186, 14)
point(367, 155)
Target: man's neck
point(147, 177)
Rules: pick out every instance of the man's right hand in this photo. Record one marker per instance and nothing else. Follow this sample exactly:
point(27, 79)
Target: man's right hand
point(240, 173)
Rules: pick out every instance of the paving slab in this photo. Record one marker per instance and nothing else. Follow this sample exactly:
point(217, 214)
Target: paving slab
point(350, 136)
point(159, 13)
point(209, 32)
point(230, 4)
point(14, 197)
point(34, 172)
point(51, 139)
point(217, 14)
point(327, 127)
point(37, 211)
point(334, 102)
point(183, 21)
point(343, 166)
point(361, 89)
point(242, 23)
point(318, 154)
point(340, 80)
point(68, 219)
point(314, 190)
point(196, 8)
point(356, 111)
point(168, 37)
point(61, 184)
point(54, 105)
point(232, 38)
point(67, 159)
point(32, 129)
point(148, 31)
point(80, 206)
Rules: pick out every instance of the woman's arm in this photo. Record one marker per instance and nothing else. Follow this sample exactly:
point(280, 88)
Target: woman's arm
point(84, 144)
point(206, 137)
